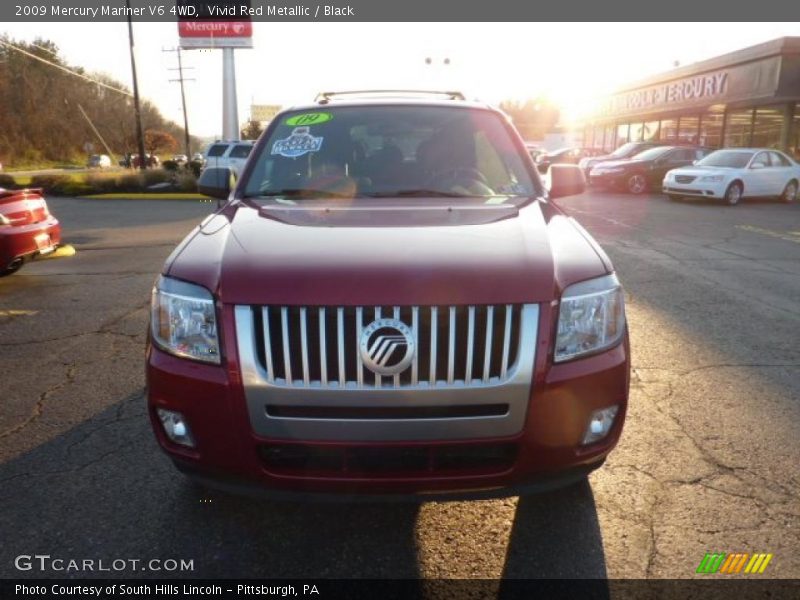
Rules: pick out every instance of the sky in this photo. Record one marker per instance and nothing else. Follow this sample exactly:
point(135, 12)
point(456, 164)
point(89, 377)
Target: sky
point(572, 63)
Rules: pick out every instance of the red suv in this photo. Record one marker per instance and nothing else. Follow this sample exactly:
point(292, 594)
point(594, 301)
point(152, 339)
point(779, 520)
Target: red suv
point(389, 303)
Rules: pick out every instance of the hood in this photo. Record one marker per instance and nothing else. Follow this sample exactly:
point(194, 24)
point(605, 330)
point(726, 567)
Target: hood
point(608, 164)
point(595, 160)
point(698, 171)
point(251, 256)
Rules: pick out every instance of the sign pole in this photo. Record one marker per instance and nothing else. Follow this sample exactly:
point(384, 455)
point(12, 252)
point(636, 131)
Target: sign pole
point(230, 116)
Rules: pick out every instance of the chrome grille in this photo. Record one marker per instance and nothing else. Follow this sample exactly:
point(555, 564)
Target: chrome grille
point(685, 178)
point(317, 347)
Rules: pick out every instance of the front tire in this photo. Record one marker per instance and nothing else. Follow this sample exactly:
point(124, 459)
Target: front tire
point(789, 192)
point(733, 194)
point(637, 184)
point(14, 266)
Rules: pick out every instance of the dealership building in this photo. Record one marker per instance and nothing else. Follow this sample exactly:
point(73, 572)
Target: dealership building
point(746, 98)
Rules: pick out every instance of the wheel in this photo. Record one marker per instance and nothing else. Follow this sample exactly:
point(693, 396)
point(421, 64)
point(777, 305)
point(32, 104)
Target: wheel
point(789, 192)
point(14, 266)
point(733, 194)
point(674, 197)
point(637, 184)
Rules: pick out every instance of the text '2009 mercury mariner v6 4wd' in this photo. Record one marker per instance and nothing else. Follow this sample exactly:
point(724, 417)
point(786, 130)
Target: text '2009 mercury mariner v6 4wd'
point(389, 304)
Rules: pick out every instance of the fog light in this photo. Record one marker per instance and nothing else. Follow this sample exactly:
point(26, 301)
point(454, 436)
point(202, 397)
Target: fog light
point(600, 424)
point(174, 424)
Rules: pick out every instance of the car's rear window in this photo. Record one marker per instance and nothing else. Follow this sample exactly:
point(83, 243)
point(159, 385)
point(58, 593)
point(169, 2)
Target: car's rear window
point(217, 149)
point(241, 151)
point(390, 151)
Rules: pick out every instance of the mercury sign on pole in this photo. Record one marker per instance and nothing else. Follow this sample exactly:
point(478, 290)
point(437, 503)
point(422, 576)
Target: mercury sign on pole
point(264, 112)
point(198, 28)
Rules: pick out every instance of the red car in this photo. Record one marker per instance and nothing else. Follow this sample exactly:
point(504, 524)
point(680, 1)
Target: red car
point(27, 229)
point(388, 304)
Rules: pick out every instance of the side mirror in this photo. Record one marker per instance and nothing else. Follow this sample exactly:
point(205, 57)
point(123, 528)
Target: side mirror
point(566, 180)
point(216, 182)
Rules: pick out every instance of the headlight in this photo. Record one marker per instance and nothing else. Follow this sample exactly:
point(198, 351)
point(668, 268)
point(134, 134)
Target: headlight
point(711, 178)
point(591, 318)
point(183, 320)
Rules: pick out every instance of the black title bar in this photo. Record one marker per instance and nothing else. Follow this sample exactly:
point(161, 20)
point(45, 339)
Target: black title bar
point(12, 11)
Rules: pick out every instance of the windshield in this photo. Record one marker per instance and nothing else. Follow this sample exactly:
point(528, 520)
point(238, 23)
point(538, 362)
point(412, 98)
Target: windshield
point(652, 153)
point(389, 151)
point(731, 159)
point(624, 150)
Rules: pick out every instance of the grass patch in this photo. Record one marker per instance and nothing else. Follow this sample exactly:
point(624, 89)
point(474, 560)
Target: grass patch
point(122, 182)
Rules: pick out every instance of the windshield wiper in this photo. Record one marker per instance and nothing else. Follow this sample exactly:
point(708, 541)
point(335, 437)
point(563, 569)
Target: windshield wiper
point(420, 193)
point(302, 192)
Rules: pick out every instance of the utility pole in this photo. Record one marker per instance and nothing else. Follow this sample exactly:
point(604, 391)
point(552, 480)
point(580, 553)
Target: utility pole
point(137, 108)
point(181, 79)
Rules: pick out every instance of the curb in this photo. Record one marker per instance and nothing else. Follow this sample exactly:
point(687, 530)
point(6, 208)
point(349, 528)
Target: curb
point(149, 196)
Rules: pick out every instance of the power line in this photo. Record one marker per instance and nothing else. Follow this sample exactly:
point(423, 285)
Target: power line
point(65, 69)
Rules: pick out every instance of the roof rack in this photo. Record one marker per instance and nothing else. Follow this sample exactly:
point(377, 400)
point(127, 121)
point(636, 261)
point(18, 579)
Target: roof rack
point(326, 97)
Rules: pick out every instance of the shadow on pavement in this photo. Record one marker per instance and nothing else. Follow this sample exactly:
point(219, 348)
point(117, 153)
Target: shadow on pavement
point(556, 535)
point(103, 490)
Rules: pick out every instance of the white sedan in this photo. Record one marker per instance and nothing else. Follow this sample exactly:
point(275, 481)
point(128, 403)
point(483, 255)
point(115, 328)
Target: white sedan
point(736, 173)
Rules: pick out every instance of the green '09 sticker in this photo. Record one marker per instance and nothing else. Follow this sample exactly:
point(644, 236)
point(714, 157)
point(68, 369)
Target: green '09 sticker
point(314, 118)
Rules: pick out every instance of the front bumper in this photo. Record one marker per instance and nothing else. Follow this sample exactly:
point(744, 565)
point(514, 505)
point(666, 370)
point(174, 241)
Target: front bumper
point(546, 453)
point(21, 242)
point(704, 189)
point(606, 180)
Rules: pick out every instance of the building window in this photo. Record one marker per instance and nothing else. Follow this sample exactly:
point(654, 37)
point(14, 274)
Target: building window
point(650, 131)
point(711, 126)
point(669, 130)
point(622, 134)
point(587, 137)
point(598, 137)
point(794, 134)
point(738, 126)
point(688, 129)
point(608, 140)
point(767, 127)
point(635, 133)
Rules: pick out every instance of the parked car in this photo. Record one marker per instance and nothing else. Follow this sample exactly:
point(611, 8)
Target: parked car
point(151, 161)
point(644, 171)
point(388, 304)
point(534, 150)
point(27, 229)
point(735, 173)
point(180, 159)
point(99, 161)
point(627, 150)
point(229, 154)
point(563, 156)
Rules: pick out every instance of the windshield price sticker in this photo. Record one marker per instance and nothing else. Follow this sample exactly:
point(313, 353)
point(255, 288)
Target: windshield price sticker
point(315, 118)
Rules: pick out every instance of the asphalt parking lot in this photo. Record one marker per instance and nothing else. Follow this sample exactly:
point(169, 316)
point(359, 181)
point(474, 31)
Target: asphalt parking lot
point(708, 461)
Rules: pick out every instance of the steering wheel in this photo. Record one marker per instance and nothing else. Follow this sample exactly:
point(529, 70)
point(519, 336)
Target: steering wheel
point(469, 178)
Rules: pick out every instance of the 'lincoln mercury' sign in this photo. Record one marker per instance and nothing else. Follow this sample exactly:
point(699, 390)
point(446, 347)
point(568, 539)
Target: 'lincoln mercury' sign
point(751, 82)
point(709, 86)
